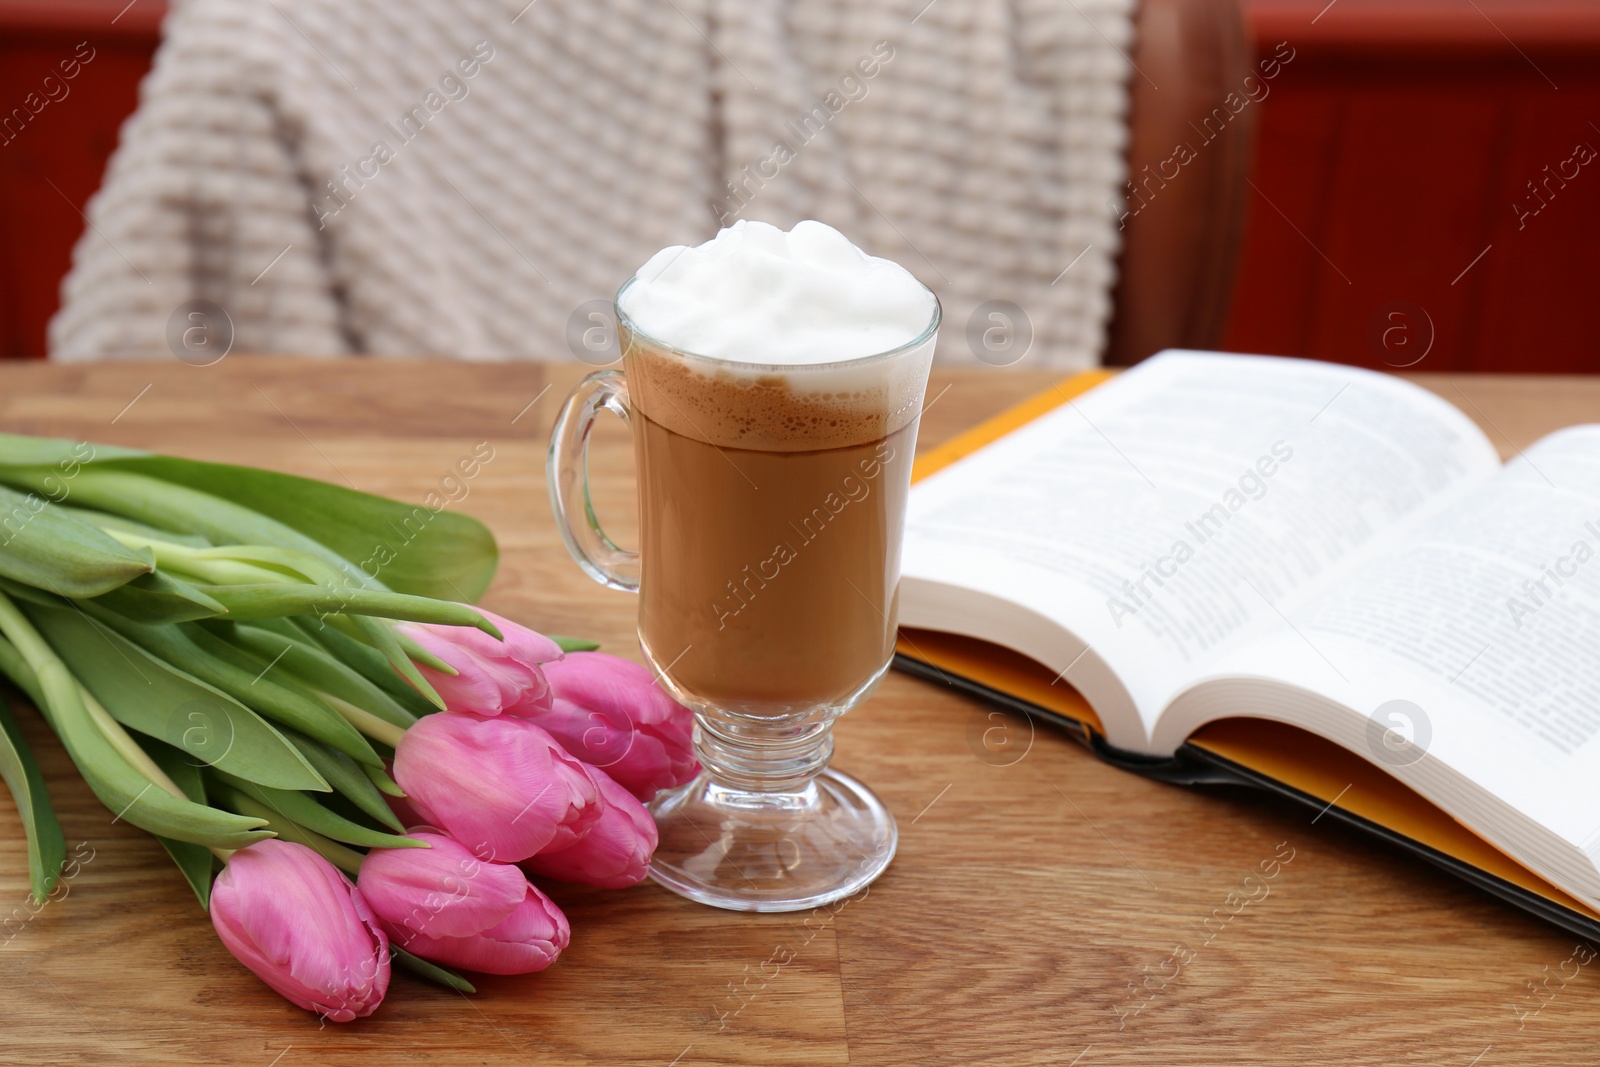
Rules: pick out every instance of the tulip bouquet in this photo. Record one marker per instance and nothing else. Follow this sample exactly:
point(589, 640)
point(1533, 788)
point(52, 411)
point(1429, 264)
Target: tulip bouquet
point(285, 680)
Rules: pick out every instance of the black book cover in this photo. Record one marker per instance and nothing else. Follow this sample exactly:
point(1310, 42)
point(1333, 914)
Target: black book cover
point(1194, 766)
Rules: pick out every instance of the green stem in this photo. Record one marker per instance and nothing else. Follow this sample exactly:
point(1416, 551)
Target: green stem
point(117, 780)
point(28, 641)
point(383, 782)
point(365, 721)
point(200, 564)
point(422, 655)
point(126, 746)
point(134, 753)
point(347, 860)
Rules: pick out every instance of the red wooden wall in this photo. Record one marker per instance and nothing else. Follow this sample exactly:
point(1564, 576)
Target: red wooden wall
point(50, 162)
point(1398, 147)
point(1391, 152)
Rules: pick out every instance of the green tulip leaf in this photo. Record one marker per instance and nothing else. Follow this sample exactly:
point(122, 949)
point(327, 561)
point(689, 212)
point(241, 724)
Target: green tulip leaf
point(94, 747)
point(346, 859)
point(413, 548)
point(383, 638)
point(422, 656)
point(366, 660)
point(163, 505)
point(303, 811)
point(177, 765)
point(66, 456)
point(249, 681)
point(45, 546)
point(574, 644)
point(431, 971)
point(47, 848)
point(158, 598)
point(195, 862)
point(383, 782)
point(197, 865)
point(272, 599)
point(313, 666)
point(120, 524)
point(347, 780)
point(150, 695)
point(416, 550)
point(121, 787)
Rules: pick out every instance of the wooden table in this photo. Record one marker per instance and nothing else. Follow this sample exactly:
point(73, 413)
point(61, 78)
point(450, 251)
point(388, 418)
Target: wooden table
point(1025, 901)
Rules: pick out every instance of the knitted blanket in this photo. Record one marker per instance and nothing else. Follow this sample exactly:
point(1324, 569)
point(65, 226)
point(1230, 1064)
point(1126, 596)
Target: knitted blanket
point(467, 179)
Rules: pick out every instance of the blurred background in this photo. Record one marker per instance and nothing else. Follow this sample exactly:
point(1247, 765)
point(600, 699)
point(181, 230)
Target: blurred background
point(1413, 191)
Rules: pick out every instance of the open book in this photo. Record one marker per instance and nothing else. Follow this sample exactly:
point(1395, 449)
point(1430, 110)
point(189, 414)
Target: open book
point(1305, 576)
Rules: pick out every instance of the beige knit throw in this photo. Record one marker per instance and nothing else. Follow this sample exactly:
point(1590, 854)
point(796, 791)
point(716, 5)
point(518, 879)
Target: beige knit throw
point(400, 178)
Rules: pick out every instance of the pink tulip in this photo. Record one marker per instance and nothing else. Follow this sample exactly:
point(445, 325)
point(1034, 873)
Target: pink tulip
point(493, 677)
point(501, 786)
point(610, 713)
point(442, 891)
point(447, 905)
point(291, 917)
point(614, 854)
point(529, 939)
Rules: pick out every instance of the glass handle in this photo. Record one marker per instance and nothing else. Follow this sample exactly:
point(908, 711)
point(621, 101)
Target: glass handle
point(567, 473)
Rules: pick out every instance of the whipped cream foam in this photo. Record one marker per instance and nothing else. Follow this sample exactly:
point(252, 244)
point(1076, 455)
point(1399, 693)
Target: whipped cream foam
point(756, 294)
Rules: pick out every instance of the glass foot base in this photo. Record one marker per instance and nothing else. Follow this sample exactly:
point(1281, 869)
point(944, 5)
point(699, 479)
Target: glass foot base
point(754, 851)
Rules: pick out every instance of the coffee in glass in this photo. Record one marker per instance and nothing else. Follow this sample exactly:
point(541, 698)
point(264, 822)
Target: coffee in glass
point(773, 383)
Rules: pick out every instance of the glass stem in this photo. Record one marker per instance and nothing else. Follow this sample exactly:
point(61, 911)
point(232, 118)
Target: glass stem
point(763, 754)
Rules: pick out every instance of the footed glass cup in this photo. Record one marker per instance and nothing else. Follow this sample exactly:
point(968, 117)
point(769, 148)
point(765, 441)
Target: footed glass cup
point(771, 511)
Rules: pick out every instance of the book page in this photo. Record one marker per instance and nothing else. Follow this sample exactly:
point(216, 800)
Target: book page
point(1478, 634)
point(1167, 514)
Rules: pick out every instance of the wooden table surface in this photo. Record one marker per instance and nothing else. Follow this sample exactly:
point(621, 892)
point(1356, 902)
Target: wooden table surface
point(1026, 903)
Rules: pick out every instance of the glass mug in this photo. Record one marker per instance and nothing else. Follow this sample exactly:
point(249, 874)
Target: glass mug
point(771, 510)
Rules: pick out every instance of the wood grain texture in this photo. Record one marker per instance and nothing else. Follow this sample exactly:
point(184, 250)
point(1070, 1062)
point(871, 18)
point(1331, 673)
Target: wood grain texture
point(1025, 904)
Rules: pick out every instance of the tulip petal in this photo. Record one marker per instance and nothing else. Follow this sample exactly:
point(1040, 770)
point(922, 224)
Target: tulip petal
point(491, 675)
point(610, 713)
point(616, 851)
point(530, 939)
point(440, 891)
point(503, 787)
point(293, 919)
